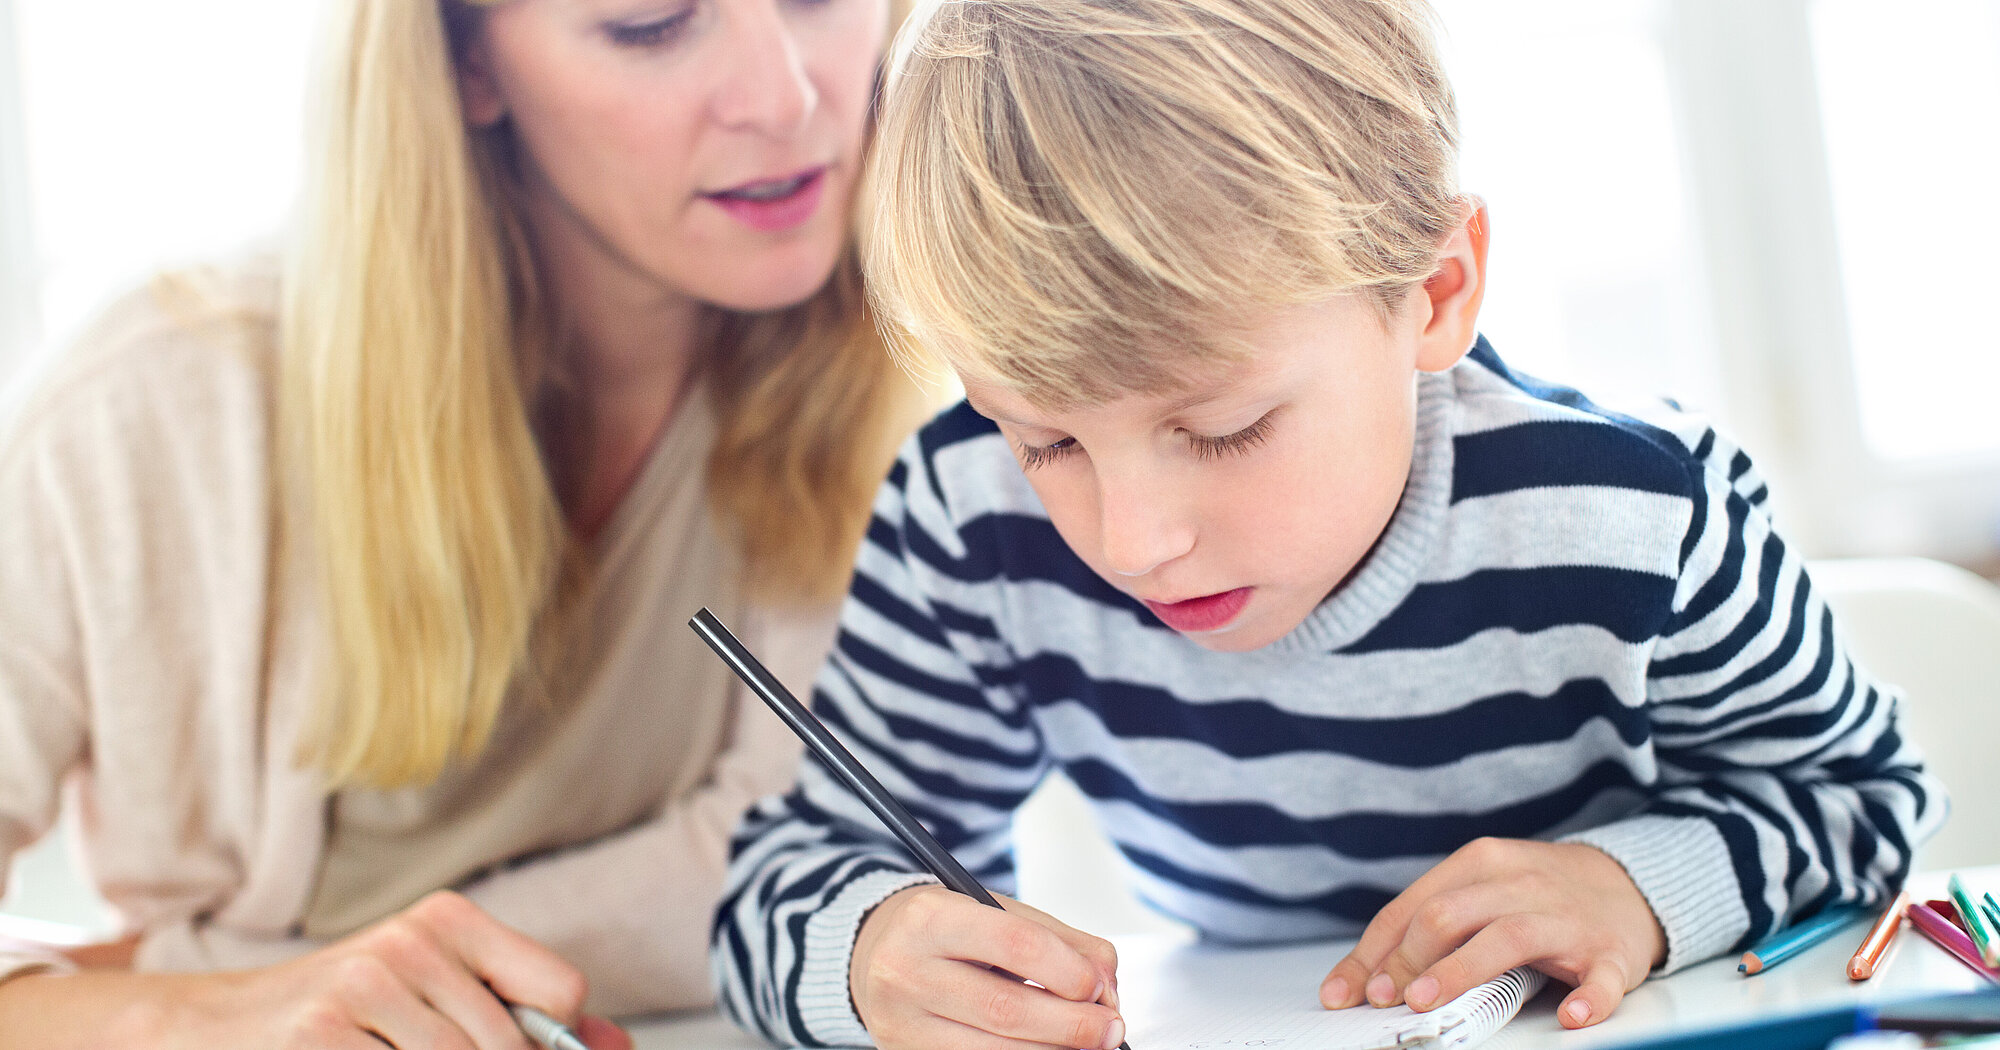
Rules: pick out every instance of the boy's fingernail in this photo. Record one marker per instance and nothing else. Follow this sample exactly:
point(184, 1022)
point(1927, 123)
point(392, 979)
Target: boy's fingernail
point(1115, 1034)
point(1381, 990)
point(1579, 1011)
point(1096, 994)
point(1334, 994)
point(1111, 997)
point(1422, 992)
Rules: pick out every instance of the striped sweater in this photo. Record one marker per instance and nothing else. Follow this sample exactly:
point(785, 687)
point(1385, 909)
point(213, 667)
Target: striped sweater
point(1578, 625)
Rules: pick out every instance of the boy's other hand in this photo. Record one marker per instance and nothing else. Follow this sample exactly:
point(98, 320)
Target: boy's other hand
point(938, 970)
point(1567, 909)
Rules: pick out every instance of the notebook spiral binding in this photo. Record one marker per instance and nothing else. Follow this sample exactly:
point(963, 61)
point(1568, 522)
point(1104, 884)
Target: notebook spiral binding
point(1482, 1011)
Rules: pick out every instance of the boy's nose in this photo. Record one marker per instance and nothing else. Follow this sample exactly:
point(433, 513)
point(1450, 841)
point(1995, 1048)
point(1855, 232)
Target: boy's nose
point(1137, 535)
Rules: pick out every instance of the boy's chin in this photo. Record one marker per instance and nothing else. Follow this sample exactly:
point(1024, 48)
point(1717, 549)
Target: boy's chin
point(1248, 636)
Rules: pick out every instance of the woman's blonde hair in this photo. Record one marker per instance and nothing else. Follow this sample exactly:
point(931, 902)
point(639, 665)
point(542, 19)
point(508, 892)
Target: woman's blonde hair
point(1070, 188)
point(415, 338)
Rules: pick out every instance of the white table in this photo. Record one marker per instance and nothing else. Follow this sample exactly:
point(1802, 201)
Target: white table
point(1711, 993)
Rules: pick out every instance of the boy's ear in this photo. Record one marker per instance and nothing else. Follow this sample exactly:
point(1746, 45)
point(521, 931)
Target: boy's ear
point(1455, 291)
point(479, 95)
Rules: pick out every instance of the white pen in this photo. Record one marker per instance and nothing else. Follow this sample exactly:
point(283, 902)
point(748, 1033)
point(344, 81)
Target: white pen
point(546, 1031)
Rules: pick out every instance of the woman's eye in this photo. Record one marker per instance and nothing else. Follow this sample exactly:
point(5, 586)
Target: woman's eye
point(646, 34)
point(1232, 444)
point(1033, 456)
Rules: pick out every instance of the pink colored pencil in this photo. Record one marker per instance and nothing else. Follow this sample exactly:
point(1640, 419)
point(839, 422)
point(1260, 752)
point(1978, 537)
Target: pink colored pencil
point(1948, 936)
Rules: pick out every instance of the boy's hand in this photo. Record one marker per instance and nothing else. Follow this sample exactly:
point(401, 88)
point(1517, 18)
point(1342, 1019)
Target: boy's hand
point(937, 970)
point(1566, 908)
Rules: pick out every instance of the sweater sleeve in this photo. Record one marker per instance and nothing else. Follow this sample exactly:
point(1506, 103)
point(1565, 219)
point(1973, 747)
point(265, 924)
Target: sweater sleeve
point(43, 728)
point(1785, 784)
point(912, 690)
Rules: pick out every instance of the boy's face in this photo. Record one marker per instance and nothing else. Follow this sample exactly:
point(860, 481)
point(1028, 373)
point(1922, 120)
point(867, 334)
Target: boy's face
point(1233, 510)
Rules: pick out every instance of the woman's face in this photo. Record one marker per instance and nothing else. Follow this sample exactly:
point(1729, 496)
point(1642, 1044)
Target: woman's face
point(707, 148)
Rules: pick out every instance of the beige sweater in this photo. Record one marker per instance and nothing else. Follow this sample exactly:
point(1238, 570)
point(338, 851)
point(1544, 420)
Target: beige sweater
point(155, 658)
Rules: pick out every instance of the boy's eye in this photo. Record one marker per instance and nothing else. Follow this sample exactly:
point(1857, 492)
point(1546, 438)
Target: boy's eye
point(649, 33)
point(1033, 456)
point(1244, 440)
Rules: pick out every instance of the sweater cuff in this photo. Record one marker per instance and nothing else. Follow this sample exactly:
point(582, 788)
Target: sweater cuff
point(825, 1005)
point(1682, 868)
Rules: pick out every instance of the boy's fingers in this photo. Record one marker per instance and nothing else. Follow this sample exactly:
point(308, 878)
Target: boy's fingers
point(1017, 944)
point(986, 1001)
point(1101, 953)
point(933, 1031)
point(1602, 989)
point(1389, 926)
point(1441, 926)
point(1342, 985)
point(1503, 944)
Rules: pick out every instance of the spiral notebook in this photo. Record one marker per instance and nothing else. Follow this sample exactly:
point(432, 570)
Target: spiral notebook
point(1199, 998)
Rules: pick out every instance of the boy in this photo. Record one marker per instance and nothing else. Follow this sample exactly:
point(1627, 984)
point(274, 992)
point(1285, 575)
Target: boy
point(1342, 624)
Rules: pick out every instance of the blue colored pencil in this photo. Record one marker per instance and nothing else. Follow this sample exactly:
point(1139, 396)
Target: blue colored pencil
point(1792, 940)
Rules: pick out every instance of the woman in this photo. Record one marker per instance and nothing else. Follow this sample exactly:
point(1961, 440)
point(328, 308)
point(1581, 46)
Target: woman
point(326, 585)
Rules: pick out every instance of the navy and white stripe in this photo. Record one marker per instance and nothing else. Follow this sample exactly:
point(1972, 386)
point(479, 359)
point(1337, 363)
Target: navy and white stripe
point(1579, 625)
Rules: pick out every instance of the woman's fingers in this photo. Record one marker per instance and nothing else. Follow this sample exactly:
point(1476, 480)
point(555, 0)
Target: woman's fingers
point(600, 1034)
point(380, 999)
point(515, 966)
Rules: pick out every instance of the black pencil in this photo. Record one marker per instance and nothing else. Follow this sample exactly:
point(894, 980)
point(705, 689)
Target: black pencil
point(841, 762)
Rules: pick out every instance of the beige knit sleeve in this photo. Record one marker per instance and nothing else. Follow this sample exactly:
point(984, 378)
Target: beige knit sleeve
point(42, 719)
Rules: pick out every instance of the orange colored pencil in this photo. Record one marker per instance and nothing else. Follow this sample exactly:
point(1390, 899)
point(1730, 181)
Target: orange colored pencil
point(1869, 955)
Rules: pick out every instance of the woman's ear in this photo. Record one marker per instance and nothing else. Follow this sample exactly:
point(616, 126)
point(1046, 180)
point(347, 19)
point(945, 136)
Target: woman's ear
point(1455, 291)
point(479, 94)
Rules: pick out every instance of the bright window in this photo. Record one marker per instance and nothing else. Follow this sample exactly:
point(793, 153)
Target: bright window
point(1913, 148)
point(154, 134)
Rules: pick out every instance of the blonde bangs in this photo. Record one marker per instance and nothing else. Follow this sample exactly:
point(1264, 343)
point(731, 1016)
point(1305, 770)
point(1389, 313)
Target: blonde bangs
point(1075, 194)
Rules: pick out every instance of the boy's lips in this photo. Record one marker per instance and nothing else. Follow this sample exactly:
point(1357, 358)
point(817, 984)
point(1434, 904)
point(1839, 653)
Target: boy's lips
point(1195, 615)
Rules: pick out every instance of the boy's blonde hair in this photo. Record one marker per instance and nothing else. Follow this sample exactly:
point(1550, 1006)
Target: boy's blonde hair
point(1067, 188)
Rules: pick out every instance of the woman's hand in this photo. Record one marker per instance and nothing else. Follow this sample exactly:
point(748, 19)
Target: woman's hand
point(937, 970)
point(1567, 909)
point(432, 977)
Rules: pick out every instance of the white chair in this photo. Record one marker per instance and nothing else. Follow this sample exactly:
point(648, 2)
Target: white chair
point(1933, 630)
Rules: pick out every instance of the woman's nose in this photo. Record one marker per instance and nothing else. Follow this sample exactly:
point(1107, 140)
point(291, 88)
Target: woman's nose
point(766, 87)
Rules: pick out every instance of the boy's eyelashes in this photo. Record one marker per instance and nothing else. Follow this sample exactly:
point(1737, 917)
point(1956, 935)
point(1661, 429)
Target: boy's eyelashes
point(1232, 444)
point(1203, 446)
point(1033, 456)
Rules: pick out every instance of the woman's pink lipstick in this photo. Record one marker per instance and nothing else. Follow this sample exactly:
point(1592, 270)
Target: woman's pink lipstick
point(772, 205)
point(1195, 615)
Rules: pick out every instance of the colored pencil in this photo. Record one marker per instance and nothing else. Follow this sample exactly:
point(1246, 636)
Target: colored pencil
point(1935, 925)
point(1869, 955)
point(1794, 939)
point(1977, 922)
